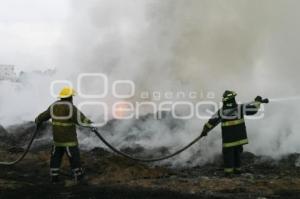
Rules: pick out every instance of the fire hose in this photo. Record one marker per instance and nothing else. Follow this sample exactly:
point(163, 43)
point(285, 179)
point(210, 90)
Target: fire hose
point(21, 157)
point(161, 158)
point(139, 159)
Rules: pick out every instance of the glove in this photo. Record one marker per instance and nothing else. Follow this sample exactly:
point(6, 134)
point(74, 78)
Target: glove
point(37, 122)
point(258, 99)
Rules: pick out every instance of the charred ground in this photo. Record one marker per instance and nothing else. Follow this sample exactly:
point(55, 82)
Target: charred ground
point(111, 176)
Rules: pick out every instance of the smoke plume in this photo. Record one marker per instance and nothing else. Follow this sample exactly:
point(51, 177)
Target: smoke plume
point(173, 45)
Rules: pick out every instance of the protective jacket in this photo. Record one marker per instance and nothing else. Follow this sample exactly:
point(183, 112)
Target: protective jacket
point(234, 131)
point(65, 116)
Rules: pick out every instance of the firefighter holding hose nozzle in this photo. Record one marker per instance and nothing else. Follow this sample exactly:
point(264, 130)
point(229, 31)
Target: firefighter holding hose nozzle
point(65, 116)
point(234, 134)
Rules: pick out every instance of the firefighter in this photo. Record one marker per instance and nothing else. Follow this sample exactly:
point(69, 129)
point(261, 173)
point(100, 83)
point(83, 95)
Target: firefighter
point(234, 134)
point(65, 116)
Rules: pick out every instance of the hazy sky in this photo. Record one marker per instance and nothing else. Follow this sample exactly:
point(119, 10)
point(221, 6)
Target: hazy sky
point(29, 30)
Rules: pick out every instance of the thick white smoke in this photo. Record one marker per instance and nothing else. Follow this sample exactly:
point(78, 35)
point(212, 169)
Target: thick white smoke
point(206, 44)
point(21, 101)
point(250, 46)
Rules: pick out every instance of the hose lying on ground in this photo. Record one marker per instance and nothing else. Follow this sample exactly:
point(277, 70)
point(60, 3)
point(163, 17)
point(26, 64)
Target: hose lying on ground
point(21, 157)
point(161, 158)
point(140, 159)
point(111, 147)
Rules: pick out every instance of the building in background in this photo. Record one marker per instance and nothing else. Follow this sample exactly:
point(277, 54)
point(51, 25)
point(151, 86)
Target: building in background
point(7, 72)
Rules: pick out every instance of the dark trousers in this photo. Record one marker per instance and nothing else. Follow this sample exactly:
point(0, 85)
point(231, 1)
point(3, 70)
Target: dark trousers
point(232, 158)
point(74, 159)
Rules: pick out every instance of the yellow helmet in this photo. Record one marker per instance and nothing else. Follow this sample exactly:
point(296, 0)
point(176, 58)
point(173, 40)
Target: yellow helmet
point(67, 92)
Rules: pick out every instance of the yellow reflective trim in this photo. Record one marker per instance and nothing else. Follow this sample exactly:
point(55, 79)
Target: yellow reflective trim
point(237, 143)
point(65, 144)
point(233, 123)
point(226, 99)
point(229, 96)
point(86, 121)
point(229, 170)
point(63, 124)
point(209, 125)
point(257, 104)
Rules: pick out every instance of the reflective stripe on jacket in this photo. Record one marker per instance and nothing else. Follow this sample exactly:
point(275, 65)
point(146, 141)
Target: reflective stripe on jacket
point(233, 125)
point(65, 116)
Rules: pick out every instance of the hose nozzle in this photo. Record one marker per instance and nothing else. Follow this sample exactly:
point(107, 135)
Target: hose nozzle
point(265, 101)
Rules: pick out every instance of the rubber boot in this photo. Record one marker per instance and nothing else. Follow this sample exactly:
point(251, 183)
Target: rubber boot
point(55, 179)
point(237, 171)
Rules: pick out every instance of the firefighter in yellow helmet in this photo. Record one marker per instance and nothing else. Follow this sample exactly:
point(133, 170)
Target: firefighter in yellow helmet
point(65, 116)
point(234, 134)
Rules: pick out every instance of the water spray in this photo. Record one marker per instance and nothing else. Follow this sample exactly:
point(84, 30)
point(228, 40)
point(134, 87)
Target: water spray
point(293, 98)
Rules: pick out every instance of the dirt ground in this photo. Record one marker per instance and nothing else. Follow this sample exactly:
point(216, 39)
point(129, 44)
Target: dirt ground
point(111, 176)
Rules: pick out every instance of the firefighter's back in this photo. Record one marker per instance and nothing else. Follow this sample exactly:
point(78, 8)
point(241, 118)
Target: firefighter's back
point(64, 125)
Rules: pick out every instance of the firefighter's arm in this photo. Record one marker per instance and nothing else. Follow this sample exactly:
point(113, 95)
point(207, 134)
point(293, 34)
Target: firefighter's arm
point(80, 118)
point(43, 117)
point(253, 108)
point(212, 123)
